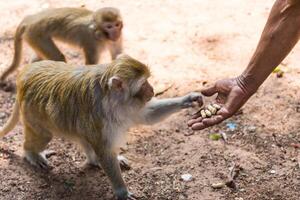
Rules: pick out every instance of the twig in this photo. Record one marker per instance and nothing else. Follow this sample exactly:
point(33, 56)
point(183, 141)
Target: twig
point(224, 136)
point(233, 174)
point(278, 143)
point(275, 140)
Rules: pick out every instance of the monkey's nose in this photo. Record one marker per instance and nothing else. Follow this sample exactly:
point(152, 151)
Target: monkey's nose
point(152, 92)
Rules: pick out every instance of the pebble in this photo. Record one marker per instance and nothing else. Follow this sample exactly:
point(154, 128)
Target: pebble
point(251, 129)
point(186, 177)
point(238, 198)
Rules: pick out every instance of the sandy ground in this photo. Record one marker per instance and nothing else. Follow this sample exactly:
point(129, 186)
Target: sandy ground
point(187, 44)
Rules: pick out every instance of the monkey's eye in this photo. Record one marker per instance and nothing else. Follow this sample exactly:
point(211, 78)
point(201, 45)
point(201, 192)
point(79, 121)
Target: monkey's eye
point(118, 24)
point(109, 26)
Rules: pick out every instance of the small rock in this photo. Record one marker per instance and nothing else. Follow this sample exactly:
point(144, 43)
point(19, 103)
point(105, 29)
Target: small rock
point(186, 177)
point(251, 129)
point(272, 171)
point(6, 189)
point(238, 198)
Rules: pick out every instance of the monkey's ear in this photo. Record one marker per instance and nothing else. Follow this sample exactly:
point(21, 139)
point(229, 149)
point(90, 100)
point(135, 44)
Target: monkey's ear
point(115, 83)
point(92, 26)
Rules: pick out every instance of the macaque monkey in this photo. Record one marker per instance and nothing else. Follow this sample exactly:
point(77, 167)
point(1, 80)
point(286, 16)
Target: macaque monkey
point(92, 105)
point(91, 31)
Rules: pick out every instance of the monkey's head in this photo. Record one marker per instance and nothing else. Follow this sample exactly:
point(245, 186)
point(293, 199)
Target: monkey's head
point(107, 22)
point(127, 80)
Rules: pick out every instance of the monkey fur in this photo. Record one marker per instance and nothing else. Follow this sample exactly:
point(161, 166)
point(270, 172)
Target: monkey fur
point(91, 31)
point(93, 105)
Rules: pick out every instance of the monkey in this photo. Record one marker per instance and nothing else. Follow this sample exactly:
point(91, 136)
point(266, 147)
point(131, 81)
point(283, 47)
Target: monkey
point(94, 106)
point(91, 31)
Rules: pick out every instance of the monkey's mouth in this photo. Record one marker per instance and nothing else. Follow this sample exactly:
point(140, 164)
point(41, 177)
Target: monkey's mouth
point(106, 34)
point(143, 98)
point(149, 97)
point(113, 36)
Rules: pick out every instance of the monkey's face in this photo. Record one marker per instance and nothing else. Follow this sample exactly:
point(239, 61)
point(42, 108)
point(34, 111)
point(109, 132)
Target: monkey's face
point(129, 81)
point(108, 24)
point(139, 90)
point(145, 92)
point(113, 29)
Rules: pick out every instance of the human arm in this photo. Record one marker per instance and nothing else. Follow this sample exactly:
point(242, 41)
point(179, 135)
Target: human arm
point(280, 35)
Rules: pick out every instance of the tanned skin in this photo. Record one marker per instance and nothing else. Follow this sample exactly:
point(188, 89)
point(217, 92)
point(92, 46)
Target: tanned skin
point(92, 105)
point(91, 31)
point(280, 35)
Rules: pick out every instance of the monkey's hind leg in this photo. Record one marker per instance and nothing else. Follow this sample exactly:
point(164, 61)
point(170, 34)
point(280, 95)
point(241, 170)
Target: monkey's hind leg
point(34, 145)
point(110, 165)
point(45, 48)
point(91, 157)
point(93, 160)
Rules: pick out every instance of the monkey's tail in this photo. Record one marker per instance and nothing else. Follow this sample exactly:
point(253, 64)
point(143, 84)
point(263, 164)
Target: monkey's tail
point(12, 121)
point(18, 52)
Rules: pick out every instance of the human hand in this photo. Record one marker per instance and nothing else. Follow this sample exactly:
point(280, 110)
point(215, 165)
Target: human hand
point(232, 95)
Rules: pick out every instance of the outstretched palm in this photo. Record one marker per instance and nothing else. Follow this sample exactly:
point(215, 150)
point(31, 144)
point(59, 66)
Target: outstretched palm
point(231, 95)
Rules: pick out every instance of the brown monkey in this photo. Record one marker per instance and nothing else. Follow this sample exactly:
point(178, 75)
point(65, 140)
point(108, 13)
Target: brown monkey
point(94, 105)
point(91, 31)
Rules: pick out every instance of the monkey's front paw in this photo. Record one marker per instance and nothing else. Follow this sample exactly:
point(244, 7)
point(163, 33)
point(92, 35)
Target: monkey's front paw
point(129, 196)
point(132, 196)
point(91, 164)
point(37, 160)
point(48, 153)
point(192, 98)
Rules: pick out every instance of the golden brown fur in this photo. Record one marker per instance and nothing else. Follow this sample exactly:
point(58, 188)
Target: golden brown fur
point(93, 105)
point(91, 31)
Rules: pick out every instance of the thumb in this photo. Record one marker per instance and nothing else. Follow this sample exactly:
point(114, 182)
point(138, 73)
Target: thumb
point(209, 91)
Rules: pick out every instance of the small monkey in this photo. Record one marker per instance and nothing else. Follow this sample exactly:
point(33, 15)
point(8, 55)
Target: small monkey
point(93, 105)
point(91, 31)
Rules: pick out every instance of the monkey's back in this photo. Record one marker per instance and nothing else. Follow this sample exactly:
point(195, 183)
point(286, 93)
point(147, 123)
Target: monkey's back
point(64, 95)
point(53, 20)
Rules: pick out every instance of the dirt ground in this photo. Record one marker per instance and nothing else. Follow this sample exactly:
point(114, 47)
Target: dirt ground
point(188, 45)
